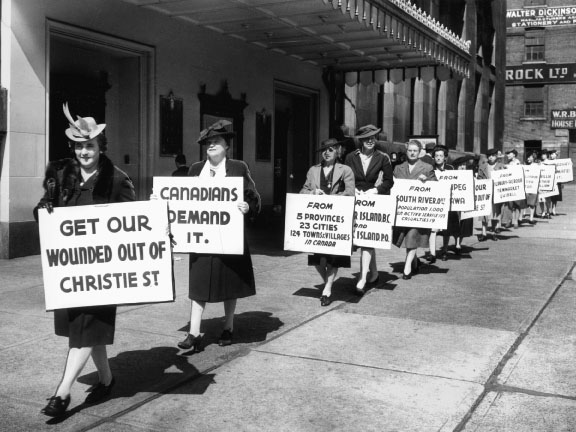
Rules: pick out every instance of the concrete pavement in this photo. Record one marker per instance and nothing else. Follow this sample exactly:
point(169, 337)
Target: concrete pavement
point(482, 342)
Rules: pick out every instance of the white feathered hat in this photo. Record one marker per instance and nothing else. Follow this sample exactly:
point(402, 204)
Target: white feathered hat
point(83, 129)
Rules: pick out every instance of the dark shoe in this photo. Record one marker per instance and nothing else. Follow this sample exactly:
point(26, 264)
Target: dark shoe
point(494, 238)
point(444, 257)
point(359, 292)
point(56, 406)
point(482, 238)
point(375, 280)
point(497, 231)
point(458, 250)
point(191, 342)
point(325, 301)
point(406, 276)
point(532, 222)
point(100, 392)
point(225, 338)
point(430, 258)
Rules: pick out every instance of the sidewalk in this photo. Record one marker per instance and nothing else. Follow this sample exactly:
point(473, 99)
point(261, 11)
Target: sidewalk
point(482, 342)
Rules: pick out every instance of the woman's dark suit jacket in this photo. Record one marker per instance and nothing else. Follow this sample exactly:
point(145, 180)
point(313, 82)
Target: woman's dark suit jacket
point(215, 278)
point(378, 175)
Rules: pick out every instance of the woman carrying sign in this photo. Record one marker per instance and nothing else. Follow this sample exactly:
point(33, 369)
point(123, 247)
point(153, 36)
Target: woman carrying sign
point(485, 172)
point(440, 154)
point(220, 278)
point(412, 238)
point(372, 175)
point(329, 178)
point(531, 198)
point(545, 202)
point(88, 178)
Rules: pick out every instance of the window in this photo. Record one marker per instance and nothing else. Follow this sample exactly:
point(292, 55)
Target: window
point(534, 45)
point(534, 101)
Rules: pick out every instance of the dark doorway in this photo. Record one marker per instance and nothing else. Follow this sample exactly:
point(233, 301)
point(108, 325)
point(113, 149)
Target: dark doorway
point(531, 146)
point(294, 141)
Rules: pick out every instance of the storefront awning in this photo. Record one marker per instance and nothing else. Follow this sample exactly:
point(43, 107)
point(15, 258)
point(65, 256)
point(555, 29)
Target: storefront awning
point(391, 37)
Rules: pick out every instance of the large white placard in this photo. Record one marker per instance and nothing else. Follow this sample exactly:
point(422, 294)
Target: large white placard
point(319, 224)
point(483, 200)
point(106, 255)
point(547, 178)
point(421, 205)
point(531, 178)
point(564, 173)
point(203, 213)
point(373, 219)
point(462, 187)
point(509, 184)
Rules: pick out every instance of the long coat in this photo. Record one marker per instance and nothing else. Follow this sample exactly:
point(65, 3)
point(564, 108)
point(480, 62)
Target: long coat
point(95, 325)
point(378, 174)
point(215, 278)
point(342, 180)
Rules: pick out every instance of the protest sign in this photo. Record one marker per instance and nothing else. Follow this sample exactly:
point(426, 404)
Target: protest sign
point(421, 205)
point(373, 220)
point(564, 172)
point(483, 200)
point(531, 178)
point(106, 254)
point(319, 224)
point(509, 184)
point(462, 187)
point(549, 175)
point(547, 178)
point(203, 213)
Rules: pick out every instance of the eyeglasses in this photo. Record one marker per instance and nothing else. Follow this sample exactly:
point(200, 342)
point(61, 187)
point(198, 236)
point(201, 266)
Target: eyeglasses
point(329, 149)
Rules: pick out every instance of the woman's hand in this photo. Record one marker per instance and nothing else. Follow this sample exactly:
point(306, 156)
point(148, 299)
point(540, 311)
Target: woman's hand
point(46, 205)
point(318, 192)
point(422, 178)
point(243, 207)
point(358, 192)
point(372, 191)
point(153, 196)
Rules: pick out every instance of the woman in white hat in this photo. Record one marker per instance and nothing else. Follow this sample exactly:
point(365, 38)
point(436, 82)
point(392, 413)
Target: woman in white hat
point(88, 178)
point(220, 278)
point(373, 175)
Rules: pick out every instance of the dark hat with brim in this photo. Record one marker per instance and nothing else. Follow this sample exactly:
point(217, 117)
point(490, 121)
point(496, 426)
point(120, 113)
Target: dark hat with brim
point(462, 160)
point(330, 142)
point(552, 151)
point(491, 152)
point(217, 129)
point(512, 151)
point(430, 146)
point(367, 131)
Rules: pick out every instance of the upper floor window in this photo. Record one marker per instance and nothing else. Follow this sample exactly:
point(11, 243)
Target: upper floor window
point(534, 45)
point(534, 101)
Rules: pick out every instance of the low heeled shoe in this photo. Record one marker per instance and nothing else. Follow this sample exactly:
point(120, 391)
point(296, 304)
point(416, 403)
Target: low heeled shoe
point(325, 300)
point(100, 392)
point(225, 338)
point(193, 343)
point(56, 406)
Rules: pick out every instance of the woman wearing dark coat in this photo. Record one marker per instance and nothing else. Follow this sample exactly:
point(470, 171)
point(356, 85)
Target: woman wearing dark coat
point(372, 175)
point(412, 238)
point(329, 178)
point(89, 178)
point(220, 278)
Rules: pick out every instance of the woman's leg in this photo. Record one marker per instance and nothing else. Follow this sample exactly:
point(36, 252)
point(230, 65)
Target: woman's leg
point(410, 254)
point(100, 359)
point(330, 276)
point(229, 309)
point(373, 268)
point(321, 269)
point(365, 258)
point(432, 243)
point(77, 358)
point(196, 311)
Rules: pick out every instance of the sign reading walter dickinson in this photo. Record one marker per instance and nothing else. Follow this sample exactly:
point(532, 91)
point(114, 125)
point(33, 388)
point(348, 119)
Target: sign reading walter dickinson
point(106, 254)
point(561, 73)
point(319, 224)
point(543, 16)
point(203, 213)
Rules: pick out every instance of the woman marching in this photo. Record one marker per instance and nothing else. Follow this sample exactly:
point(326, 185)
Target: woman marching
point(372, 175)
point(220, 278)
point(329, 178)
point(412, 238)
point(88, 178)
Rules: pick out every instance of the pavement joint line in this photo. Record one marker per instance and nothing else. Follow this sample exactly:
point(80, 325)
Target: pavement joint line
point(491, 384)
point(240, 353)
point(502, 388)
point(27, 341)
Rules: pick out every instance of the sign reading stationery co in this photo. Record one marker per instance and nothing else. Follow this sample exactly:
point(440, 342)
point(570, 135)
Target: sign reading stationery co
point(319, 224)
point(509, 184)
point(203, 213)
point(483, 200)
point(106, 255)
point(373, 219)
point(421, 205)
point(462, 186)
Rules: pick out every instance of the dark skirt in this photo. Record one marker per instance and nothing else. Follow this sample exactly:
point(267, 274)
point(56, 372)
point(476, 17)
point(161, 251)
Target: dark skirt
point(86, 326)
point(453, 227)
point(216, 278)
point(339, 261)
point(557, 198)
point(531, 199)
point(410, 238)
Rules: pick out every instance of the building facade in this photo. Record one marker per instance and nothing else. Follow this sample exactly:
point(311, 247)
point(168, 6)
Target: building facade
point(541, 76)
point(158, 72)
